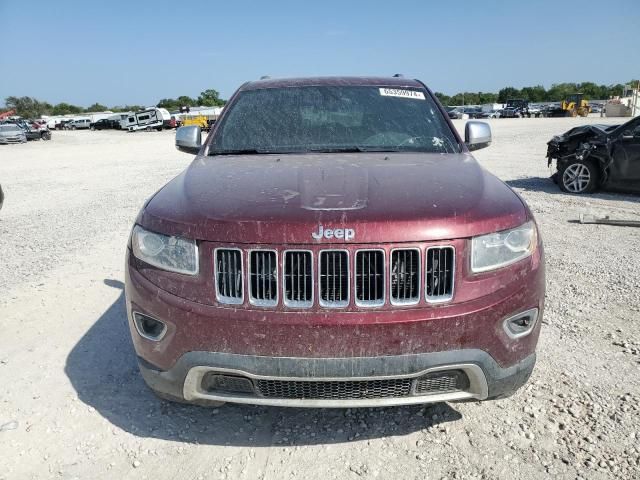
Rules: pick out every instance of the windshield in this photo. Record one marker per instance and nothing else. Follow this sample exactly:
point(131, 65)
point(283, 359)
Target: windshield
point(629, 127)
point(333, 119)
point(9, 128)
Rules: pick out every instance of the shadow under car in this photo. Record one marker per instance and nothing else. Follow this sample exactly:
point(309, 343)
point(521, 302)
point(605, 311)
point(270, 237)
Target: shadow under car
point(103, 370)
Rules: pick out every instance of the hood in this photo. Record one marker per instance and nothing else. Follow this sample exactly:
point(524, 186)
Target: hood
point(379, 197)
point(11, 133)
point(584, 131)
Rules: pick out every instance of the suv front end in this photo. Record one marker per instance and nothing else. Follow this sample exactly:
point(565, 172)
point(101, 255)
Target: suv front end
point(336, 279)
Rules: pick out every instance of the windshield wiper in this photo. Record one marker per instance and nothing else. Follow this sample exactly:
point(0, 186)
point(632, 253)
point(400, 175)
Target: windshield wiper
point(396, 149)
point(255, 151)
point(240, 151)
point(333, 150)
point(355, 149)
point(351, 149)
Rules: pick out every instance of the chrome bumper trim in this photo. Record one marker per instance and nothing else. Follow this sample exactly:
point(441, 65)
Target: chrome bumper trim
point(478, 389)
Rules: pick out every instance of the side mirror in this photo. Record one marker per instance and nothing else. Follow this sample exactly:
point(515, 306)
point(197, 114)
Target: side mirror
point(189, 139)
point(477, 135)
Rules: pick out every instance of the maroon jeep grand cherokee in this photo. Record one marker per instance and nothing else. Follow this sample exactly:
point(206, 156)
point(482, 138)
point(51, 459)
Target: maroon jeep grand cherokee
point(335, 244)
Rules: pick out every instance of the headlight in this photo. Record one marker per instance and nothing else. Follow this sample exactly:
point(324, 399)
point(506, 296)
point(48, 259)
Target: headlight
point(174, 254)
point(500, 249)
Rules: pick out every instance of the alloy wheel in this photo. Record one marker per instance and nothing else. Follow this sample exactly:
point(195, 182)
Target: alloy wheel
point(576, 178)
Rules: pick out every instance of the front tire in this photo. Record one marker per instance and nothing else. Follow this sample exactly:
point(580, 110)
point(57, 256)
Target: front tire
point(579, 177)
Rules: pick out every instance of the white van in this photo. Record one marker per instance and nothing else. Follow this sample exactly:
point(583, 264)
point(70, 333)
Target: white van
point(79, 123)
point(119, 119)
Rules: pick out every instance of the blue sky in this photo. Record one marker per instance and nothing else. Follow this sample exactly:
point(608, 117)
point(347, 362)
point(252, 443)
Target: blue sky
point(136, 52)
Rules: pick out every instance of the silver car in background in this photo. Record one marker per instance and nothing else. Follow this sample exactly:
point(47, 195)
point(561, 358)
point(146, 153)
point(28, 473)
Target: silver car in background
point(11, 133)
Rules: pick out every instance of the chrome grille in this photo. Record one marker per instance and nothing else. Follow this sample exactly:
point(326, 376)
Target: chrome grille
point(338, 276)
point(440, 273)
point(298, 278)
point(405, 276)
point(336, 390)
point(334, 278)
point(228, 272)
point(369, 278)
point(263, 277)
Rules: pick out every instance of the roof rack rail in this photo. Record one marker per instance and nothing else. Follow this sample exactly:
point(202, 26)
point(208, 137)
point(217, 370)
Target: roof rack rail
point(265, 77)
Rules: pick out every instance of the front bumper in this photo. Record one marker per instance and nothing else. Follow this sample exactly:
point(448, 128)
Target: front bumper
point(486, 379)
point(352, 350)
point(9, 140)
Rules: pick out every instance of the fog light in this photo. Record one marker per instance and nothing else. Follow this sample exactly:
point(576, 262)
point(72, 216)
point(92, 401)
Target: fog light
point(521, 324)
point(148, 327)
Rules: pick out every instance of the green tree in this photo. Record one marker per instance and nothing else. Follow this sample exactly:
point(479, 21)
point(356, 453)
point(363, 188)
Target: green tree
point(470, 98)
point(66, 109)
point(207, 98)
point(507, 93)
point(168, 103)
point(27, 107)
point(560, 91)
point(97, 107)
point(185, 101)
point(457, 99)
point(444, 99)
point(210, 98)
point(614, 90)
point(534, 94)
point(487, 97)
point(176, 103)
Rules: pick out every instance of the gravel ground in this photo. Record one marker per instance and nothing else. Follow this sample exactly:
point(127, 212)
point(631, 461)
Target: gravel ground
point(74, 406)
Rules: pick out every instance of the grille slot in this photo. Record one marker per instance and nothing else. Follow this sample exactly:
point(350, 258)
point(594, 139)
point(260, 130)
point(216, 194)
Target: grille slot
point(228, 273)
point(213, 382)
point(298, 278)
point(440, 273)
point(335, 390)
point(442, 382)
point(263, 277)
point(334, 278)
point(369, 278)
point(405, 277)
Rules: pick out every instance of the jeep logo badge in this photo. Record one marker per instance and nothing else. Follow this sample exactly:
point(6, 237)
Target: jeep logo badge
point(342, 233)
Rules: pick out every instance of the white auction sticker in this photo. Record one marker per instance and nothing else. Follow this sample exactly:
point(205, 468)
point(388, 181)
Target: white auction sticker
point(396, 92)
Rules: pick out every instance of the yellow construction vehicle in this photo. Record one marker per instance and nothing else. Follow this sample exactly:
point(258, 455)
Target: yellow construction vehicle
point(195, 120)
point(205, 122)
point(575, 105)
